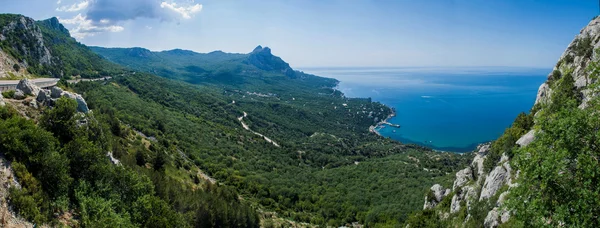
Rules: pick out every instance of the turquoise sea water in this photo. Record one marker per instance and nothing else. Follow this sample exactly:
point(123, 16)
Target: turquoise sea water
point(450, 109)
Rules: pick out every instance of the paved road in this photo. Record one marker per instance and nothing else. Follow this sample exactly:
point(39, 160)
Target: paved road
point(40, 82)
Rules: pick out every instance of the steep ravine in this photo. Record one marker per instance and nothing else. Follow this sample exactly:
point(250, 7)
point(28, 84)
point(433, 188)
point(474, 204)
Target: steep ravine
point(484, 186)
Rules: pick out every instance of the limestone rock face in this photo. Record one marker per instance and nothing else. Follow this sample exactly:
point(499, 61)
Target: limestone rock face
point(493, 182)
point(574, 58)
point(491, 220)
point(526, 139)
point(543, 94)
point(28, 87)
point(462, 177)
point(438, 193)
point(2, 103)
point(477, 164)
point(23, 28)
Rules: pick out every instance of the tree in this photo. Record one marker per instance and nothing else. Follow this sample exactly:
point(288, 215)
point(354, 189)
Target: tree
point(59, 120)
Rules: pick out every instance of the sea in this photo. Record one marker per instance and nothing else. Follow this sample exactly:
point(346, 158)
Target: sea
point(445, 108)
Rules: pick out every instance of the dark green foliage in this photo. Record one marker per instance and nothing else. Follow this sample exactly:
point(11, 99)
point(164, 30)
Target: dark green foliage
point(16, 67)
point(60, 120)
point(140, 158)
point(555, 76)
point(159, 161)
point(560, 172)
point(8, 94)
point(584, 47)
point(569, 58)
point(564, 94)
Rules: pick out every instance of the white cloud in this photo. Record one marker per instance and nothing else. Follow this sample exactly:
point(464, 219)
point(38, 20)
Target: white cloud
point(85, 27)
point(73, 8)
point(58, 2)
point(148, 27)
point(185, 12)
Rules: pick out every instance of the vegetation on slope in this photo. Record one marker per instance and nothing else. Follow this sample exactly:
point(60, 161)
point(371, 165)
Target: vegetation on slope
point(333, 172)
point(63, 168)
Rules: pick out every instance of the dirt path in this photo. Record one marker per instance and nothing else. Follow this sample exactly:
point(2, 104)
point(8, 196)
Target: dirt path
point(245, 126)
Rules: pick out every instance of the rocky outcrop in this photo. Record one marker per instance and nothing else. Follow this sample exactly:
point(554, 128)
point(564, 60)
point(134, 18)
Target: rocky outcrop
point(262, 58)
point(477, 164)
point(47, 97)
point(81, 104)
point(437, 194)
point(24, 38)
point(491, 220)
point(462, 177)
point(493, 182)
point(575, 61)
point(19, 95)
point(28, 87)
point(2, 103)
point(526, 139)
point(543, 94)
point(577, 57)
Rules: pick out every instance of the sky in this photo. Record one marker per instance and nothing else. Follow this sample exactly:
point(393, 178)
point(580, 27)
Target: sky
point(332, 33)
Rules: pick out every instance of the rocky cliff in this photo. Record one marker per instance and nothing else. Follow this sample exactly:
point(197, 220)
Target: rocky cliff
point(45, 48)
point(22, 44)
point(478, 195)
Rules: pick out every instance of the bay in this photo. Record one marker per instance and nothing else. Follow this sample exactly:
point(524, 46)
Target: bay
point(449, 109)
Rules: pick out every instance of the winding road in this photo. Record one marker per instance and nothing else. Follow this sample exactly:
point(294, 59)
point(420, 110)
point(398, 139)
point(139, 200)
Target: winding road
point(241, 119)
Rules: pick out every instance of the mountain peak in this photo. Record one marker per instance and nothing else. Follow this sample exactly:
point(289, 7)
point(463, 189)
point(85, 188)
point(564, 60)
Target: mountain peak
point(262, 50)
point(54, 24)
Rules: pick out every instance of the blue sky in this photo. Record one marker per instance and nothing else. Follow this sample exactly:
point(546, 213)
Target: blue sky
point(305, 33)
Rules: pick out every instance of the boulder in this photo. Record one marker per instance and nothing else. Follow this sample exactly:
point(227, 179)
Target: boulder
point(19, 95)
point(28, 87)
point(526, 139)
point(491, 220)
point(493, 182)
point(56, 92)
point(505, 216)
point(81, 104)
point(543, 94)
point(438, 193)
point(462, 177)
point(501, 199)
point(43, 95)
point(477, 165)
point(455, 205)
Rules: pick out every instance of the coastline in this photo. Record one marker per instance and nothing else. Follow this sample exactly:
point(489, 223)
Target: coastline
point(373, 128)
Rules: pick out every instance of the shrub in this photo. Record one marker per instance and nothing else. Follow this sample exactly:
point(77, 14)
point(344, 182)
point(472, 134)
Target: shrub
point(8, 94)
